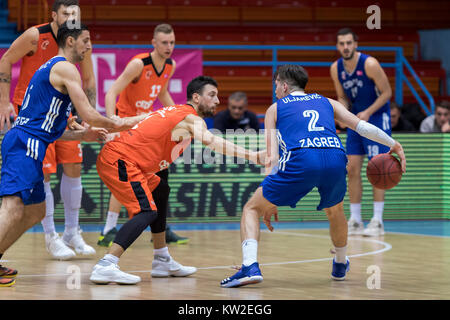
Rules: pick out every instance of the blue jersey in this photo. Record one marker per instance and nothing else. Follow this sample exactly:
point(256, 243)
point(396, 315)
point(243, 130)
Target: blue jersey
point(359, 88)
point(45, 110)
point(311, 154)
point(305, 121)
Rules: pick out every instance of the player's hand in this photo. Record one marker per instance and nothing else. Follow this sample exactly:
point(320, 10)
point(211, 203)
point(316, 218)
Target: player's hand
point(72, 124)
point(445, 127)
point(95, 134)
point(363, 115)
point(5, 112)
point(398, 149)
point(258, 157)
point(112, 136)
point(268, 216)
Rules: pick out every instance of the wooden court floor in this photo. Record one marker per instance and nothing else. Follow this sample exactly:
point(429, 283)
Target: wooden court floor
point(296, 264)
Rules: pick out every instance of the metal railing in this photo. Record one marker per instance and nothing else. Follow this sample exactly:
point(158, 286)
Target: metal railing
point(399, 65)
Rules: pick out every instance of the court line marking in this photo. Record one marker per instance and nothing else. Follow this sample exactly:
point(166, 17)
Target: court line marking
point(386, 245)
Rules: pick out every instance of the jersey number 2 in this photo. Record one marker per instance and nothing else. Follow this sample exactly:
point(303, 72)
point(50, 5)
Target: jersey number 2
point(314, 115)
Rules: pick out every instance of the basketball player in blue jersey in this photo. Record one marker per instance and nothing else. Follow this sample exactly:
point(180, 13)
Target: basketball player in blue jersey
point(54, 87)
point(301, 128)
point(362, 86)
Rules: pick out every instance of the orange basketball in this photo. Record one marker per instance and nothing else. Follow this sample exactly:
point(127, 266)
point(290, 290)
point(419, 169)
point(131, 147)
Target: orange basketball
point(384, 171)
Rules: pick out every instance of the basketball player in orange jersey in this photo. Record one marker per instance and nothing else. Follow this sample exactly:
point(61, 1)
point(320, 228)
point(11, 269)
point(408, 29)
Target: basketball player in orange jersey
point(144, 80)
point(35, 46)
point(127, 165)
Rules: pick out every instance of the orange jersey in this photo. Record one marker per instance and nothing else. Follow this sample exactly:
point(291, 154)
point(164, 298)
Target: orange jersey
point(138, 97)
point(149, 144)
point(46, 48)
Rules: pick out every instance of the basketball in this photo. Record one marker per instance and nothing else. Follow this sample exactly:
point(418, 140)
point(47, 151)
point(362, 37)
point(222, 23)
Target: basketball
point(384, 171)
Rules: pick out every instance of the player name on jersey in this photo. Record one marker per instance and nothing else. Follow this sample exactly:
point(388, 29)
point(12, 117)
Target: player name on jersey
point(301, 98)
point(322, 142)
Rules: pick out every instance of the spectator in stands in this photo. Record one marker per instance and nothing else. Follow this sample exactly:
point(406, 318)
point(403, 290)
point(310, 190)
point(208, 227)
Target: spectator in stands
point(236, 116)
point(439, 121)
point(398, 122)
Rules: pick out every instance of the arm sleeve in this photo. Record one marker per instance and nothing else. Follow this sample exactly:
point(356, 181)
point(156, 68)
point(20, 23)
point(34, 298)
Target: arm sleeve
point(371, 132)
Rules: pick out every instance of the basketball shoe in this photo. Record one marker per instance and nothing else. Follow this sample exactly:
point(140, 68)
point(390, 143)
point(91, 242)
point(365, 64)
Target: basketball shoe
point(7, 272)
point(375, 228)
point(107, 239)
point(340, 270)
point(105, 272)
point(246, 275)
point(7, 282)
point(355, 228)
point(173, 237)
point(56, 247)
point(163, 266)
point(77, 243)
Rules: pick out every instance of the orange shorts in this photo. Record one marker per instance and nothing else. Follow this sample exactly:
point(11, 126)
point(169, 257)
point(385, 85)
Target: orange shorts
point(132, 187)
point(61, 151)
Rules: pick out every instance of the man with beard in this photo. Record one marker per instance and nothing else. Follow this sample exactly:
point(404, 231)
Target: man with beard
point(145, 79)
point(43, 118)
point(128, 166)
point(36, 46)
point(363, 87)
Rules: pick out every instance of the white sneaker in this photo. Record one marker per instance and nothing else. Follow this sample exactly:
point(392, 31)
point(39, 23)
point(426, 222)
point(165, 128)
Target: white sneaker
point(374, 228)
point(355, 227)
point(165, 266)
point(77, 243)
point(56, 247)
point(104, 274)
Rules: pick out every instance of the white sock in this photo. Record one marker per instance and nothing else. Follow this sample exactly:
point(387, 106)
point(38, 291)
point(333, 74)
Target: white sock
point(355, 212)
point(378, 207)
point(71, 192)
point(341, 254)
point(48, 223)
point(161, 252)
point(111, 258)
point(249, 251)
point(111, 221)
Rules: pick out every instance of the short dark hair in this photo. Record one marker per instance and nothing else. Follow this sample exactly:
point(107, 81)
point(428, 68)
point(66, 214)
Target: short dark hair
point(197, 84)
point(293, 75)
point(394, 105)
point(345, 31)
point(443, 104)
point(66, 3)
point(67, 29)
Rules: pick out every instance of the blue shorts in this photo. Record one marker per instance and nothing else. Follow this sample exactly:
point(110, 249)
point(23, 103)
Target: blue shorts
point(358, 145)
point(306, 169)
point(21, 174)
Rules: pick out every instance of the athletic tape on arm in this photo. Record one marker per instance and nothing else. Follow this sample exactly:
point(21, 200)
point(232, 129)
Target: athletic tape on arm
point(371, 132)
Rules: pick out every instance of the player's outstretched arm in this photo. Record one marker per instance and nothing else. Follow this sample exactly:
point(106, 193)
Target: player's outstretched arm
point(129, 74)
point(197, 128)
point(64, 76)
point(23, 45)
point(367, 130)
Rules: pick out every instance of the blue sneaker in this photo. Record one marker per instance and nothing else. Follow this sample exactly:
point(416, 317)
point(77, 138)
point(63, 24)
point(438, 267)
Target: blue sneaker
point(339, 270)
point(247, 275)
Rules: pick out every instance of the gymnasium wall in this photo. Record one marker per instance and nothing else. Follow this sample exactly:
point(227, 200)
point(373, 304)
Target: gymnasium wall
point(211, 192)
